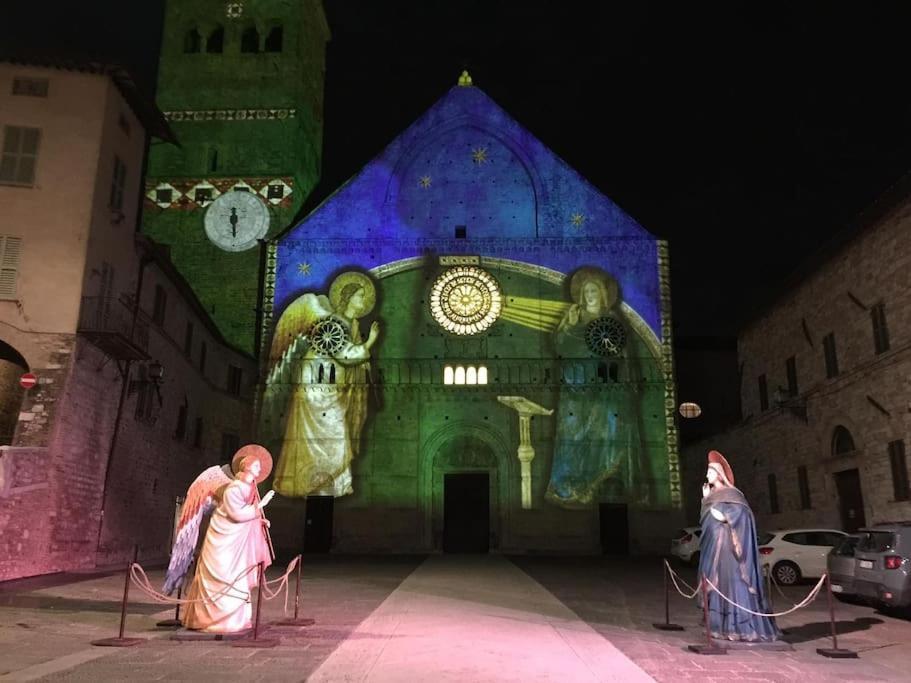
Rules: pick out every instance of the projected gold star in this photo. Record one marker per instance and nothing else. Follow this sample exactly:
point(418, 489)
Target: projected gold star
point(479, 155)
point(425, 181)
point(577, 220)
point(303, 268)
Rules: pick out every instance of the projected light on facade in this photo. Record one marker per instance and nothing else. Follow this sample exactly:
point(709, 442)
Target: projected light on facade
point(465, 300)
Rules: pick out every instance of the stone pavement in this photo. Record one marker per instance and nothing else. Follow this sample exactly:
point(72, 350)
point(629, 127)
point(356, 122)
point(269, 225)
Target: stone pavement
point(377, 616)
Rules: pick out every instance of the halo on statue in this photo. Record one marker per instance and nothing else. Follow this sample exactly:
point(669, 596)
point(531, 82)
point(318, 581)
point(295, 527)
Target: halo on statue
point(253, 450)
point(607, 284)
point(352, 277)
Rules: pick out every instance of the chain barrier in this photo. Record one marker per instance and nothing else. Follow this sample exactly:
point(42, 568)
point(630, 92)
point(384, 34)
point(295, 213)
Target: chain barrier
point(675, 576)
point(803, 603)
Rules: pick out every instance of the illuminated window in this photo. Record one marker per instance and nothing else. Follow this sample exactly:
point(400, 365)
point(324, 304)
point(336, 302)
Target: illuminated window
point(459, 375)
point(448, 375)
point(471, 375)
point(482, 375)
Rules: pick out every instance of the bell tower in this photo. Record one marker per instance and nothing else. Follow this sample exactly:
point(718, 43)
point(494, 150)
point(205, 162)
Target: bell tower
point(241, 84)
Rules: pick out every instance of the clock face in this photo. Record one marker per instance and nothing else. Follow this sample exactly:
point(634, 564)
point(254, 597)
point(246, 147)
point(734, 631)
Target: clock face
point(236, 220)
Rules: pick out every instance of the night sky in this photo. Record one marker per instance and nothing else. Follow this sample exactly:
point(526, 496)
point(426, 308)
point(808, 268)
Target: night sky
point(747, 137)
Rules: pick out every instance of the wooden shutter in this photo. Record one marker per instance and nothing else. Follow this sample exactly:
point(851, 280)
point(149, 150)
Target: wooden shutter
point(10, 250)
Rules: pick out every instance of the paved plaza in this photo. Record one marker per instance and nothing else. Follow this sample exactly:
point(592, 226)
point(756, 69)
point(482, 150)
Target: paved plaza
point(438, 618)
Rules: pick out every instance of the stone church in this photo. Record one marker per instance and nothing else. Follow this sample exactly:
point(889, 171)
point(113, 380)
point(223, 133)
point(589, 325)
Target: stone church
point(467, 347)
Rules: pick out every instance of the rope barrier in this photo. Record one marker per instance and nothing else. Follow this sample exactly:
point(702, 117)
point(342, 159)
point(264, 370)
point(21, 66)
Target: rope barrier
point(803, 603)
point(674, 576)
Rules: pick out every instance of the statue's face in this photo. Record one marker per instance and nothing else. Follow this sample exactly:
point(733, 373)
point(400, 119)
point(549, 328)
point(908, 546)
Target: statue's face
point(356, 302)
point(255, 468)
point(590, 294)
point(711, 476)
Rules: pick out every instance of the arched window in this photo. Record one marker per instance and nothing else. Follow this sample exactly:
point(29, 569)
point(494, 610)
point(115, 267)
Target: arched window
point(448, 375)
point(471, 375)
point(213, 159)
point(482, 375)
point(459, 375)
point(192, 41)
point(249, 40)
point(842, 441)
point(274, 39)
point(216, 41)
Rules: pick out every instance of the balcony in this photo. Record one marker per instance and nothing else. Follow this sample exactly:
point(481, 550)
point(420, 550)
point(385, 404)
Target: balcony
point(109, 324)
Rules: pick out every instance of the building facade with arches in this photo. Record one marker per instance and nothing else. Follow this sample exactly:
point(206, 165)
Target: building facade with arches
point(467, 346)
point(825, 371)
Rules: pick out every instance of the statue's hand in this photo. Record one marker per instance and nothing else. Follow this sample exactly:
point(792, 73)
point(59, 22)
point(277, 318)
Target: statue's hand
point(266, 498)
point(574, 314)
point(706, 490)
point(717, 514)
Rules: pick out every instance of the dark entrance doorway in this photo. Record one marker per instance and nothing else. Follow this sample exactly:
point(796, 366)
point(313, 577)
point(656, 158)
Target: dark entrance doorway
point(614, 529)
point(318, 524)
point(466, 513)
point(850, 500)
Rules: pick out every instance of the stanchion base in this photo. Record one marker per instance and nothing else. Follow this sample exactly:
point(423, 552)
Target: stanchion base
point(836, 653)
point(257, 642)
point(668, 627)
point(189, 635)
point(707, 649)
point(118, 642)
point(169, 623)
point(300, 621)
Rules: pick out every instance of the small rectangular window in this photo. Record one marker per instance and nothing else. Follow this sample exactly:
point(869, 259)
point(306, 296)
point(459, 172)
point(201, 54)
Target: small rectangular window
point(181, 431)
point(202, 195)
point(234, 380)
point(899, 470)
point(803, 483)
point(791, 368)
point(188, 339)
point(118, 182)
point(10, 251)
point(202, 358)
point(19, 155)
point(164, 196)
point(197, 434)
point(160, 305)
point(275, 191)
point(880, 330)
point(773, 495)
point(831, 356)
point(30, 87)
point(461, 232)
point(763, 393)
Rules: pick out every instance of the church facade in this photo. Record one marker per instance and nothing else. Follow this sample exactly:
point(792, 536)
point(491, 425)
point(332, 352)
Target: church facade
point(467, 348)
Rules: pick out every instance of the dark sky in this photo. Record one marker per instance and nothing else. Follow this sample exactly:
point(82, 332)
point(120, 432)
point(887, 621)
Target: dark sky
point(746, 136)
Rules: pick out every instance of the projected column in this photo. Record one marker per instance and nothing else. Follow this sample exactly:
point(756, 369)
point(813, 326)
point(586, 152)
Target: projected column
point(526, 452)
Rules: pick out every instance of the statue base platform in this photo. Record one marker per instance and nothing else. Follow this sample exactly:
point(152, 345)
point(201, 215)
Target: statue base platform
point(757, 646)
point(118, 642)
point(190, 635)
point(836, 653)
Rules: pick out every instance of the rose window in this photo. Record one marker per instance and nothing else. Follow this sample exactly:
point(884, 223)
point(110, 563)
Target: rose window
point(605, 336)
point(465, 300)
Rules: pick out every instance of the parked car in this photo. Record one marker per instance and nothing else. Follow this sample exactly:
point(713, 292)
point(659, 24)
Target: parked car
point(882, 569)
point(840, 564)
point(686, 546)
point(794, 554)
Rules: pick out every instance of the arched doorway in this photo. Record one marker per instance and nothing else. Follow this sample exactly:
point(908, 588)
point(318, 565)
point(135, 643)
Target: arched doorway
point(12, 366)
point(465, 498)
point(847, 482)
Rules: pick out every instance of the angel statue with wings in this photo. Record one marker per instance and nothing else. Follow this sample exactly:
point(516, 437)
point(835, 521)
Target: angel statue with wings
point(316, 388)
point(236, 541)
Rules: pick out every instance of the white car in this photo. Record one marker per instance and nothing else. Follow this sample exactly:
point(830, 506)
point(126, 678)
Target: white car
point(794, 554)
point(686, 546)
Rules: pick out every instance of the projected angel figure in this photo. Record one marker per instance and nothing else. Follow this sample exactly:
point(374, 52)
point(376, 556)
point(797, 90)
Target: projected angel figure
point(318, 349)
point(229, 509)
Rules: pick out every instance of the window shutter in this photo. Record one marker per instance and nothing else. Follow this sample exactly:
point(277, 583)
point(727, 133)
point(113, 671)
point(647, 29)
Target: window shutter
point(10, 250)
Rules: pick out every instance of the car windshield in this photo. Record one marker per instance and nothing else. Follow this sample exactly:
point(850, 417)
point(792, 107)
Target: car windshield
point(846, 547)
point(763, 539)
point(876, 541)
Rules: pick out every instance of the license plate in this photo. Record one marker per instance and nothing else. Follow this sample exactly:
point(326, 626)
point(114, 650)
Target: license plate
point(837, 589)
point(866, 564)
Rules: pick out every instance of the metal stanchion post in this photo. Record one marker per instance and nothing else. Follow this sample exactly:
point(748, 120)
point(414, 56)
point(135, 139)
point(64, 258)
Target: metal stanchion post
point(667, 625)
point(175, 622)
point(256, 641)
point(297, 620)
point(120, 641)
point(834, 652)
point(710, 648)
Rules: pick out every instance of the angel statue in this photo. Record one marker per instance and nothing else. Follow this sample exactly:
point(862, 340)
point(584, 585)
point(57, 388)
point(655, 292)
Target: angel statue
point(318, 350)
point(235, 542)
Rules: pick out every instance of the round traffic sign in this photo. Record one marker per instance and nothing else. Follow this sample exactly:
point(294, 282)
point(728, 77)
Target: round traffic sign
point(28, 380)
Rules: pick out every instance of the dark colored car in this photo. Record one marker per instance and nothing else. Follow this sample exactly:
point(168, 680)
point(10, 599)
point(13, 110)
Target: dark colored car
point(882, 564)
point(840, 564)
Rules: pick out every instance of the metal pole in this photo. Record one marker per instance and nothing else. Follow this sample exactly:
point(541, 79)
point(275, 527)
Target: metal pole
point(297, 588)
point(710, 648)
point(120, 641)
point(834, 652)
point(667, 625)
point(259, 601)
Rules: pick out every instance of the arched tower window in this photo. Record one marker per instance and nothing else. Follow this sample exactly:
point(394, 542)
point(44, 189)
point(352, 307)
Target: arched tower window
point(192, 41)
point(274, 39)
point(842, 441)
point(249, 40)
point(216, 41)
point(213, 159)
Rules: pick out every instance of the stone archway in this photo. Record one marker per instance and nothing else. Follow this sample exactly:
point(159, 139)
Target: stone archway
point(464, 448)
point(12, 366)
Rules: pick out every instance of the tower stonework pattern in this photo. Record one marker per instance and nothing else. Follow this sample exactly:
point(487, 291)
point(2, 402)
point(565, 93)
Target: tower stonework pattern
point(241, 84)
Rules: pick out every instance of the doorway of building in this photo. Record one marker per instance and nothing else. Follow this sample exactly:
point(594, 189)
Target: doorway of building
point(850, 500)
point(466, 512)
point(318, 524)
point(614, 520)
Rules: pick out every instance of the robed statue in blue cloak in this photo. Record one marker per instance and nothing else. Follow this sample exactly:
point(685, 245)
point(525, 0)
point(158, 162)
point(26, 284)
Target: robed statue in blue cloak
point(729, 559)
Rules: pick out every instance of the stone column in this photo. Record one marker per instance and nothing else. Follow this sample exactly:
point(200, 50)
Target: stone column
point(526, 452)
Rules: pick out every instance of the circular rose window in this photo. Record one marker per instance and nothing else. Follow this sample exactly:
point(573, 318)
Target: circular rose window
point(465, 300)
